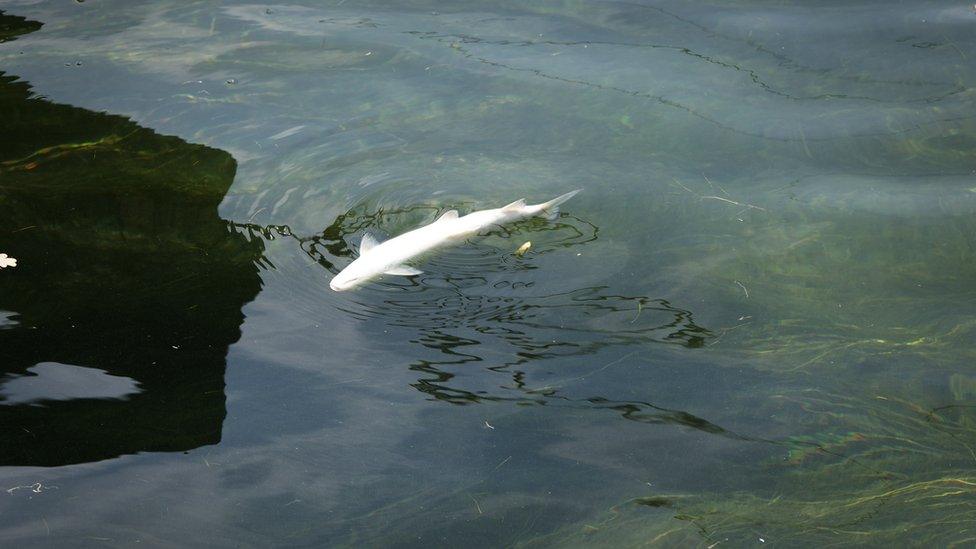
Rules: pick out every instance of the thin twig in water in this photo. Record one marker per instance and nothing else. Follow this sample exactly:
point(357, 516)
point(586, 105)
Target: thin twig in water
point(476, 504)
point(504, 461)
point(254, 214)
point(727, 330)
point(640, 307)
point(710, 184)
point(37, 488)
point(609, 364)
point(713, 197)
point(734, 202)
point(685, 188)
point(743, 288)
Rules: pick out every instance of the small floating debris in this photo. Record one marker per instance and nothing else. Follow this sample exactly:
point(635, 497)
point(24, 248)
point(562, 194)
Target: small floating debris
point(7, 261)
point(523, 248)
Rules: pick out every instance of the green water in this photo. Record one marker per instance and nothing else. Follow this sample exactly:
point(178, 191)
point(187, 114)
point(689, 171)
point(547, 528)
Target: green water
point(755, 326)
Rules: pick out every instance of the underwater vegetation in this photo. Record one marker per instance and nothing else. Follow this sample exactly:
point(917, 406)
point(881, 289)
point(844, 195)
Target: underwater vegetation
point(907, 477)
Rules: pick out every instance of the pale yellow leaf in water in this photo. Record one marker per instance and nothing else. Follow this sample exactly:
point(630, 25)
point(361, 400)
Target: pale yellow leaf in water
point(523, 248)
point(6, 261)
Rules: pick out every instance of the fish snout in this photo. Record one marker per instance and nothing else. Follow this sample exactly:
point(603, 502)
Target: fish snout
point(341, 282)
point(345, 281)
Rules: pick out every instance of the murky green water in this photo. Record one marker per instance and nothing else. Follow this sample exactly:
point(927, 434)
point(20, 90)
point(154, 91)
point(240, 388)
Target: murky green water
point(756, 325)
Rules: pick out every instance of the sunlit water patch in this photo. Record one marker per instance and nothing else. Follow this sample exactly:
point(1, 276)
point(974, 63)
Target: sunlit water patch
point(53, 381)
point(8, 319)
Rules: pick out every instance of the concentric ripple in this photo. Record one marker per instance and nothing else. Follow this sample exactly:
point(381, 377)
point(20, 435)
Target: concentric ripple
point(518, 333)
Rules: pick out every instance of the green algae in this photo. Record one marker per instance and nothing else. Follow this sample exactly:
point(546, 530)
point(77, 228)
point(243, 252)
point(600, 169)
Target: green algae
point(905, 477)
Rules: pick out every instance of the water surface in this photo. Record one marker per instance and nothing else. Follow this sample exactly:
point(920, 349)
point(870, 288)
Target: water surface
point(755, 325)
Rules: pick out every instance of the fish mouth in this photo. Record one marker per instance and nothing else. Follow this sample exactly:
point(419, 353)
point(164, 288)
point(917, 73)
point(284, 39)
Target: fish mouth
point(343, 285)
point(340, 286)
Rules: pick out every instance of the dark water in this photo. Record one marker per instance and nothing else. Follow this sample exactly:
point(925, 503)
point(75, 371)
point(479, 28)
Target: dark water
point(755, 326)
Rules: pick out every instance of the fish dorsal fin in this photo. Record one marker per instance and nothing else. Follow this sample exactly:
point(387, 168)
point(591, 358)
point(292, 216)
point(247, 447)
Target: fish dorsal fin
point(402, 270)
point(517, 205)
point(449, 215)
point(368, 243)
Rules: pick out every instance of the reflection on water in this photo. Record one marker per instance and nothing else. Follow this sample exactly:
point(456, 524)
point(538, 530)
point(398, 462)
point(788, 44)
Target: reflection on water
point(125, 271)
point(53, 381)
point(8, 319)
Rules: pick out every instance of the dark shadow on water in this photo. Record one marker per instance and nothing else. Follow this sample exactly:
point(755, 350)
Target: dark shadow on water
point(124, 270)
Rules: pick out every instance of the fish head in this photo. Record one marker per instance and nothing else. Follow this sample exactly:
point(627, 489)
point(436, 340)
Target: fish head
point(350, 277)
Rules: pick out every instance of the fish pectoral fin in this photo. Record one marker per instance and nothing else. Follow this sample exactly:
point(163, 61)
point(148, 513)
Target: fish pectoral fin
point(517, 205)
point(403, 270)
point(368, 242)
point(449, 215)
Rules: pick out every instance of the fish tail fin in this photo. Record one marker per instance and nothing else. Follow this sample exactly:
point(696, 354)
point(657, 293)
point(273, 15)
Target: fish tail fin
point(551, 209)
